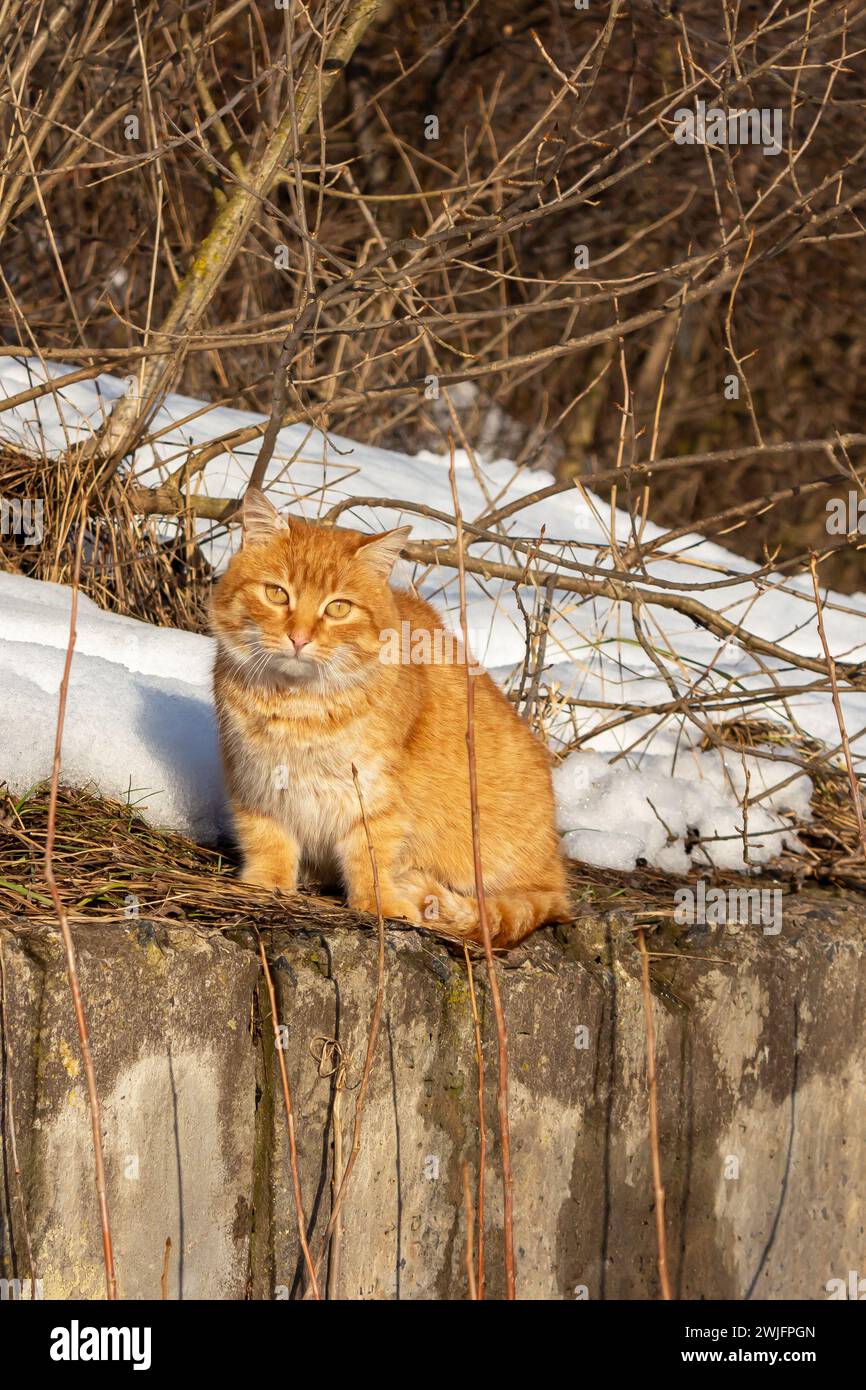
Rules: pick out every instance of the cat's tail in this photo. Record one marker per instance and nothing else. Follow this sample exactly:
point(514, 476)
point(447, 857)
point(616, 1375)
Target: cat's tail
point(510, 916)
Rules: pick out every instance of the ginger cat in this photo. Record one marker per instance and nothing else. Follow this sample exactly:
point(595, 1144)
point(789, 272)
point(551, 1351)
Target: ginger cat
point(304, 690)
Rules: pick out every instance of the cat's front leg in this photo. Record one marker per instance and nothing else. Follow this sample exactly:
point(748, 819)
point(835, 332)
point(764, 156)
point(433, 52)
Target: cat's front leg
point(387, 832)
point(270, 854)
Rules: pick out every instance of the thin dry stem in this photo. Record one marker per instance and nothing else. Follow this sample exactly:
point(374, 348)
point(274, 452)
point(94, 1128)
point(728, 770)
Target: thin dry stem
point(655, 1149)
point(290, 1124)
point(69, 948)
point(372, 1038)
point(501, 1030)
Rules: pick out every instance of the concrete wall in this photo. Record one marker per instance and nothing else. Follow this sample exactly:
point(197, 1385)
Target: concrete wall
point(761, 1073)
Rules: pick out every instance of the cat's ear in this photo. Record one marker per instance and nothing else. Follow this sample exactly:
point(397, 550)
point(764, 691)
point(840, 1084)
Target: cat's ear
point(381, 551)
point(261, 520)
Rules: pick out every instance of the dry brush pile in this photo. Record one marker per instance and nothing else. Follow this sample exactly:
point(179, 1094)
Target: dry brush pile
point(316, 209)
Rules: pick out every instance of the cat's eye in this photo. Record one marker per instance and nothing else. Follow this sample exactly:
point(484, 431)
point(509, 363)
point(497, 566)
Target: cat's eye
point(276, 594)
point(338, 608)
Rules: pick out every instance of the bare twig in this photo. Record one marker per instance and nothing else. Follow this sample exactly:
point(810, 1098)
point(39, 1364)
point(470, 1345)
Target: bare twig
point(482, 1127)
point(470, 1227)
point(9, 1118)
point(231, 225)
point(290, 1122)
point(501, 1031)
point(71, 963)
point(655, 1154)
point(372, 1038)
point(856, 794)
point(166, 1262)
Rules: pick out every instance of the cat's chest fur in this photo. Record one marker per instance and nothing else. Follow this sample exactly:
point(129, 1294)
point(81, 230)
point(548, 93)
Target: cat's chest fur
point(302, 777)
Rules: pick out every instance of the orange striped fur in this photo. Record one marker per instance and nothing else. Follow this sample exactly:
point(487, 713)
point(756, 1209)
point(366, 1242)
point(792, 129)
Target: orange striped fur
point(302, 693)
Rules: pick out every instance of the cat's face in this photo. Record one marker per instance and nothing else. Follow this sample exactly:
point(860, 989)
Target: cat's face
point(305, 605)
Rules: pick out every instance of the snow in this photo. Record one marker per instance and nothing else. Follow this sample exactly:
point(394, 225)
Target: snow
point(139, 718)
point(140, 721)
point(613, 816)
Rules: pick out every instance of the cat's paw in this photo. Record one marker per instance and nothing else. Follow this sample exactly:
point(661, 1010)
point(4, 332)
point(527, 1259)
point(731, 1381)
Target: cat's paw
point(264, 876)
point(394, 906)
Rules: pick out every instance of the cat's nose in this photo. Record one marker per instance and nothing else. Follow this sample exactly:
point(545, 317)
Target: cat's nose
point(299, 643)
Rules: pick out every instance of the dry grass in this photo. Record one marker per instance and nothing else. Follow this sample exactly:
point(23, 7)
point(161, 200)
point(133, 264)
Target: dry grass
point(109, 863)
point(129, 566)
point(832, 839)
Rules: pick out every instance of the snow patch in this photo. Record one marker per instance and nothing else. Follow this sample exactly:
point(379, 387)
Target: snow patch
point(140, 721)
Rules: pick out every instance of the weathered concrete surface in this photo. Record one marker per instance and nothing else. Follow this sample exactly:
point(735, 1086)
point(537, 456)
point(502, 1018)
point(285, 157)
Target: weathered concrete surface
point(169, 1018)
point(761, 1078)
